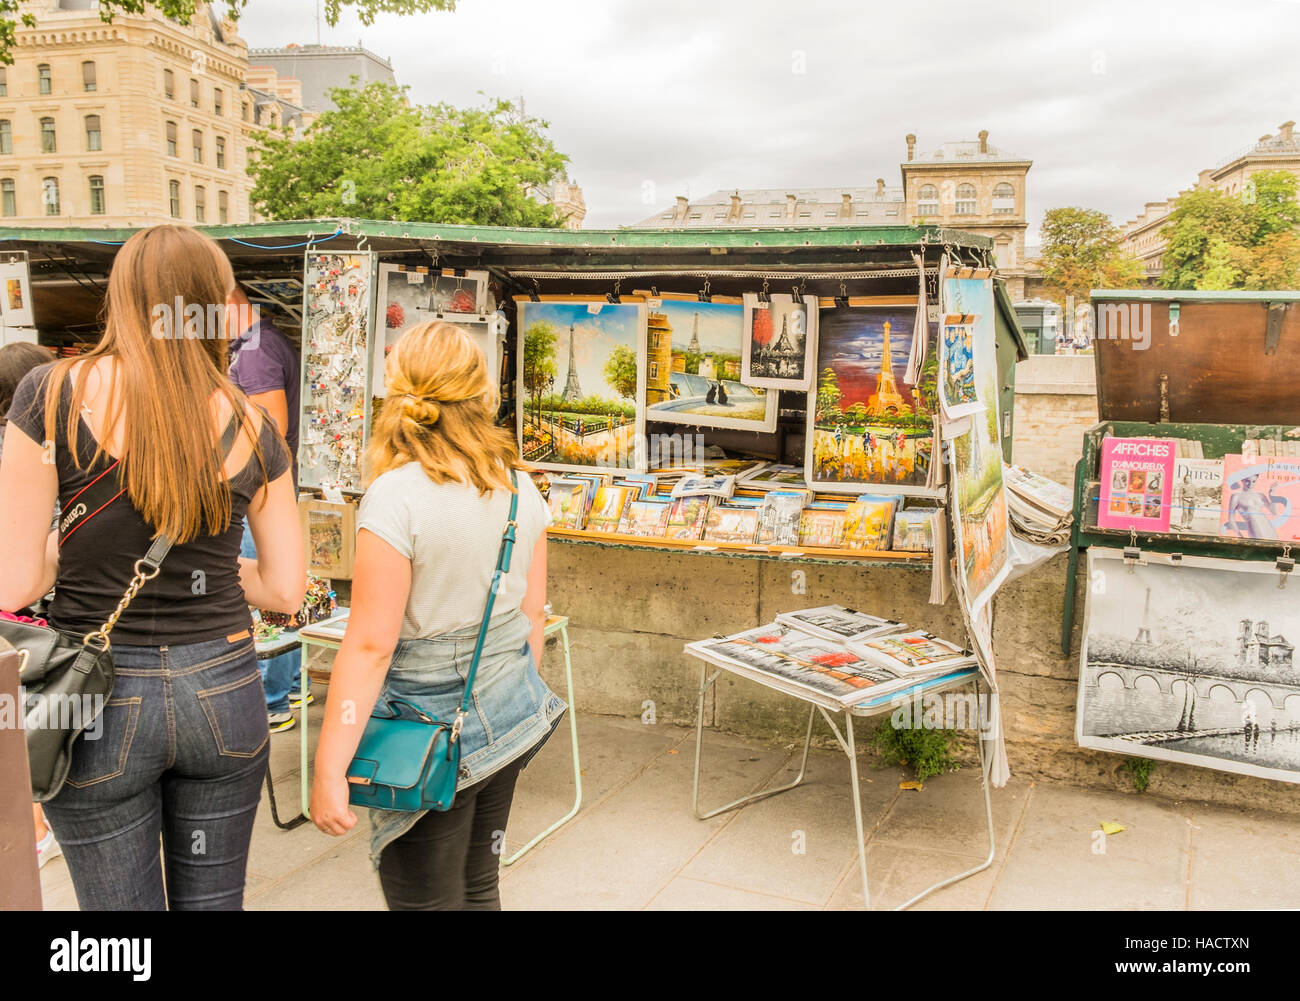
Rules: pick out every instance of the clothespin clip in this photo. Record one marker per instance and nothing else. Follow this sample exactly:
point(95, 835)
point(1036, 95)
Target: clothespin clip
point(762, 295)
point(613, 297)
point(1285, 564)
point(704, 295)
point(532, 292)
point(1132, 552)
point(796, 292)
point(842, 300)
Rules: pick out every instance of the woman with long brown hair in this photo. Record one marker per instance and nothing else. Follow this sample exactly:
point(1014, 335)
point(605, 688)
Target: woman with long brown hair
point(145, 437)
point(429, 532)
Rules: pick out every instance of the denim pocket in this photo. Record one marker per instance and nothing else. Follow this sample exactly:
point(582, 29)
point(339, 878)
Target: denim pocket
point(104, 757)
point(236, 712)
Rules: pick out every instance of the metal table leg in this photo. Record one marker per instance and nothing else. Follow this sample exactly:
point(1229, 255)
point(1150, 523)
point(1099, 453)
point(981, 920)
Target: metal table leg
point(302, 708)
point(577, 768)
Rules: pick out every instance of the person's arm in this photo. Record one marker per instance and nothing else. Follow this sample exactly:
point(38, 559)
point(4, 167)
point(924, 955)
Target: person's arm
point(29, 487)
point(277, 579)
point(276, 404)
point(534, 603)
point(381, 585)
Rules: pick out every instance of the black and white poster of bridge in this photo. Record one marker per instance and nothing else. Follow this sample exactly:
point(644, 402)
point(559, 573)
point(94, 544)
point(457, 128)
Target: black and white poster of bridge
point(1192, 661)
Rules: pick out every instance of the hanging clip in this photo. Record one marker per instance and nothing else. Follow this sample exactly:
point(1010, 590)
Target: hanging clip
point(613, 297)
point(704, 295)
point(1285, 564)
point(762, 295)
point(796, 291)
point(842, 300)
point(363, 244)
point(532, 292)
point(1132, 552)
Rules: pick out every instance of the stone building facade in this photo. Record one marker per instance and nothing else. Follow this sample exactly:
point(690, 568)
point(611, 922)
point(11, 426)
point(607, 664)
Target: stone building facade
point(129, 123)
point(317, 68)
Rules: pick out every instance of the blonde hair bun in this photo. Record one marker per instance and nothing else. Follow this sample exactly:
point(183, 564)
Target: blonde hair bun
point(420, 410)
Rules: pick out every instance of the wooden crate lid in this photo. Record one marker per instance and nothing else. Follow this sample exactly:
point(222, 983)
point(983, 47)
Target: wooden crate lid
point(1233, 358)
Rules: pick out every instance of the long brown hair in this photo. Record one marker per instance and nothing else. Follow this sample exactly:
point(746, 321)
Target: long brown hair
point(439, 412)
point(169, 365)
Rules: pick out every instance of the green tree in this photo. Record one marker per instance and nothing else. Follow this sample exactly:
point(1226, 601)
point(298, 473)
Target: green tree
point(539, 361)
point(620, 371)
point(1198, 220)
point(183, 12)
point(1274, 263)
point(378, 156)
point(1272, 195)
point(1083, 250)
point(828, 395)
point(1218, 270)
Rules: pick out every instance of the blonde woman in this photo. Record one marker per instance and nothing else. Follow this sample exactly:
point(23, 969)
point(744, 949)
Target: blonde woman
point(181, 745)
point(429, 532)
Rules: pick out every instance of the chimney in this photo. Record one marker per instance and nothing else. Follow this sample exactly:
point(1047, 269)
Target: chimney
point(791, 204)
point(846, 205)
point(984, 140)
point(679, 214)
point(736, 211)
point(880, 187)
point(1285, 132)
point(911, 146)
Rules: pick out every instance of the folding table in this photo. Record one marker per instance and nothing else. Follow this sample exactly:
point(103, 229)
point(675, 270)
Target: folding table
point(826, 706)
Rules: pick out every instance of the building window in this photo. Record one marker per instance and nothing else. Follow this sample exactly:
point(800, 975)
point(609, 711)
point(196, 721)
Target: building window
point(169, 85)
point(200, 203)
point(93, 135)
point(171, 139)
point(50, 195)
point(965, 200)
point(8, 200)
point(43, 80)
point(6, 136)
point(88, 76)
point(96, 195)
point(48, 142)
point(174, 198)
point(196, 140)
point(654, 370)
point(194, 93)
point(4, 82)
point(243, 110)
point(221, 152)
point(218, 103)
point(1004, 200)
point(927, 200)
point(223, 207)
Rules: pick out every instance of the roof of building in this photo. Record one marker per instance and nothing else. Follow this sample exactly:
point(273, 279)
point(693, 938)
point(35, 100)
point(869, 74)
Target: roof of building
point(769, 206)
point(295, 50)
point(966, 152)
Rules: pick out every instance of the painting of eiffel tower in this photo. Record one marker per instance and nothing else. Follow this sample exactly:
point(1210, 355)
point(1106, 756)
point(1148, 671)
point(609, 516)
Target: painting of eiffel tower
point(572, 390)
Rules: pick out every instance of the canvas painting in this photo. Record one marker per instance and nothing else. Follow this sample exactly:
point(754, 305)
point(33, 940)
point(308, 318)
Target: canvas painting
point(582, 371)
point(693, 352)
point(1191, 662)
point(285, 291)
point(779, 338)
point(16, 300)
point(329, 532)
point(452, 293)
point(866, 426)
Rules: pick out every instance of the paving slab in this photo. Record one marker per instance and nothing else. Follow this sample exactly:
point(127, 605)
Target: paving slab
point(899, 873)
point(686, 894)
point(340, 879)
point(947, 815)
point(1243, 860)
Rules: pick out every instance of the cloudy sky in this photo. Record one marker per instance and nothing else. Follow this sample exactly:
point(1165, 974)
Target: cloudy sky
point(1117, 102)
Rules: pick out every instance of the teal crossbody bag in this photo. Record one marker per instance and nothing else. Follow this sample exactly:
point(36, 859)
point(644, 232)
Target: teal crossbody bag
point(407, 760)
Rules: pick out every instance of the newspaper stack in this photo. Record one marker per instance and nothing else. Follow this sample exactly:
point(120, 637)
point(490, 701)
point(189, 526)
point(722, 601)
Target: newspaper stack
point(1041, 510)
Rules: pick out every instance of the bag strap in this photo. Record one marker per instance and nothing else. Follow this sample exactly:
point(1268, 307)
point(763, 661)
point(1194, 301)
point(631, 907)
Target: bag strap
point(150, 565)
point(502, 568)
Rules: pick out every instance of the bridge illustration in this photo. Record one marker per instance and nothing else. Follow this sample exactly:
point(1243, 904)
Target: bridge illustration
point(1278, 694)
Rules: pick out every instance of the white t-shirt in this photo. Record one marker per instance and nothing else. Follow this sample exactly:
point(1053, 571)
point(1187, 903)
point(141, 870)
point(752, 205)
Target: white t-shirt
point(452, 534)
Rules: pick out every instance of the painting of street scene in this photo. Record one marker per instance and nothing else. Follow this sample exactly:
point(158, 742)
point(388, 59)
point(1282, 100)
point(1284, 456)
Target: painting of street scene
point(1192, 662)
point(693, 353)
point(980, 520)
point(581, 372)
point(868, 426)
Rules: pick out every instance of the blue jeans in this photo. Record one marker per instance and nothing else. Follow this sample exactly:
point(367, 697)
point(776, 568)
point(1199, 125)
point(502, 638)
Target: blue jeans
point(180, 756)
point(282, 675)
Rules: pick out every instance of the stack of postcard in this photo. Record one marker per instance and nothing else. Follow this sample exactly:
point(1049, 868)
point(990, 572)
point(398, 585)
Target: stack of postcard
point(869, 522)
point(568, 502)
point(608, 508)
point(835, 622)
point(1040, 510)
point(821, 525)
point(774, 477)
point(647, 518)
point(734, 523)
point(687, 517)
point(704, 485)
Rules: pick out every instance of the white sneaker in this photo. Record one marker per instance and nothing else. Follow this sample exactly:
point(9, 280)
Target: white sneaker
point(46, 849)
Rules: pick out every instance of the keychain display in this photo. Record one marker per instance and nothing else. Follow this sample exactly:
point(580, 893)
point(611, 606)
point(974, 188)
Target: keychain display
point(336, 379)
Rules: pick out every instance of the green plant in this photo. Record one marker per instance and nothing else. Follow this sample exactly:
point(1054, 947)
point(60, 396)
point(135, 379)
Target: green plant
point(1140, 769)
point(926, 751)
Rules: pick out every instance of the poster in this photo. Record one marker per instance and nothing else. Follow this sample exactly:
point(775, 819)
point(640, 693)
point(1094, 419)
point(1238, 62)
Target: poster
point(582, 375)
point(780, 338)
point(1197, 496)
point(1261, 498)
point(329, 536)
point(866, 426)
point(693, 366)
point(335, 379)
point(1136, 483)
point(16, 294)
point(1191, 662)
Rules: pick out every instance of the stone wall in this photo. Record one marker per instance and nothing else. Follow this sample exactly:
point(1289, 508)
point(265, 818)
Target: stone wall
point(632, 611)
point(1056, 402)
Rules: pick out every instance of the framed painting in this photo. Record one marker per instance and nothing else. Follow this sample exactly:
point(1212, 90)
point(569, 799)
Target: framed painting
point(329, 534)
point(581, 382)
point(1191, 660)
point(867, 428)
point(778, 349)
point(16, 294)
point(693, 365)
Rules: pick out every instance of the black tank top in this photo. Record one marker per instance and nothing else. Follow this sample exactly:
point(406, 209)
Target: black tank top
point(197, 595)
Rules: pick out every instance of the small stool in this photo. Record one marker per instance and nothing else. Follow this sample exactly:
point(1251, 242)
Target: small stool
point(560, 624)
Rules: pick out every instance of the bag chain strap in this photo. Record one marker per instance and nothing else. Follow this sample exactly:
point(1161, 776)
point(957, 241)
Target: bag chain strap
point(142, 576)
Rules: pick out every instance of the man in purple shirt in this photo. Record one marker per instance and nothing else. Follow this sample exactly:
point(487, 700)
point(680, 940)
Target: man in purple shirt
point(264, 364)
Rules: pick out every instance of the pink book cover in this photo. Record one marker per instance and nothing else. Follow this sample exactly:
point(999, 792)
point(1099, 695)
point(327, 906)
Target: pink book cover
point(1136, 483)
point(1261, 498)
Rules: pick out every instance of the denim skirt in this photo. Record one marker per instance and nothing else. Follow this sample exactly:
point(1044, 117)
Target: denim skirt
point(512, 711)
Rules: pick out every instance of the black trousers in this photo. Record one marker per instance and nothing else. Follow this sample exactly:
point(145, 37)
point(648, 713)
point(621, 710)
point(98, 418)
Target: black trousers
point(450, 861)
